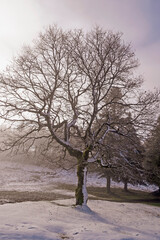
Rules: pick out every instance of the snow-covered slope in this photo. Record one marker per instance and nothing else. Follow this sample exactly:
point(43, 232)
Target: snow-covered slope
point(20, 176)
point(59, 220)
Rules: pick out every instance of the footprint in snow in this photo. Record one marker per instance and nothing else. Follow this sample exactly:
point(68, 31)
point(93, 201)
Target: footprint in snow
point(9, 225)
point(32, 228)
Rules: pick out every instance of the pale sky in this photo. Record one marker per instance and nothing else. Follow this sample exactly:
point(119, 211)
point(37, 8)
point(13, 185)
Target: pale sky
point(139, 20)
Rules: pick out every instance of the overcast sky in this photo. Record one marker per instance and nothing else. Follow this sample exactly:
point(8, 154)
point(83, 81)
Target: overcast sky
point(139, 20)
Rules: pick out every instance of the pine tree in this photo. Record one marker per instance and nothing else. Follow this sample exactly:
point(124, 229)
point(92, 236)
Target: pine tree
point(121, 153)
point(152, 160)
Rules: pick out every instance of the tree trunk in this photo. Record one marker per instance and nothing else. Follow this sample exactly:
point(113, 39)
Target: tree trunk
point(126, 186)
point(81, 190)
point(108, 183)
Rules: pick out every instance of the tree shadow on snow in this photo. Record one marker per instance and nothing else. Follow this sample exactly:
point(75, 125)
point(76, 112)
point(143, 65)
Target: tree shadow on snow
point(92, 214)
point(127, 239)
point(14, 236)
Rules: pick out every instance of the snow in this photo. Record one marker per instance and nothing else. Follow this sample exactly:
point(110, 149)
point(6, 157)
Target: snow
point(84, 188)
point(59, 219)
point(20, 176)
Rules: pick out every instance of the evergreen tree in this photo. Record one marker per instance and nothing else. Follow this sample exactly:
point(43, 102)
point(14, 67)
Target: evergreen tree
point(152, 160)
point(124, 158)
point(121, 153)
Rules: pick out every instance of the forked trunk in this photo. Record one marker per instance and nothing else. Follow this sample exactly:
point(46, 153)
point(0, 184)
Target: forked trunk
point(81, 190)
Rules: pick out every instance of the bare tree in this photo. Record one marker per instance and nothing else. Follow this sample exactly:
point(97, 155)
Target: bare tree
point(57, 89)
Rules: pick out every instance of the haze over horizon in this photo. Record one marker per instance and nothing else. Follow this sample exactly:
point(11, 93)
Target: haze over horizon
point(22, 20)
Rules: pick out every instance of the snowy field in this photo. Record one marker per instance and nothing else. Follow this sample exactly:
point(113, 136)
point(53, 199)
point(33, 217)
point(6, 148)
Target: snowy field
point(18, 176)
point(57, 220)
point(106, 221)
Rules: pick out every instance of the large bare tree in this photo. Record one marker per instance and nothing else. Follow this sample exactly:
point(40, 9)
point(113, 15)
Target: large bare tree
point(58, 88)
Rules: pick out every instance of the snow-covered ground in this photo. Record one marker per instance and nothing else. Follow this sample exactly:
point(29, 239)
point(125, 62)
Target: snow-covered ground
point(57, 220)
point(20, 176)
